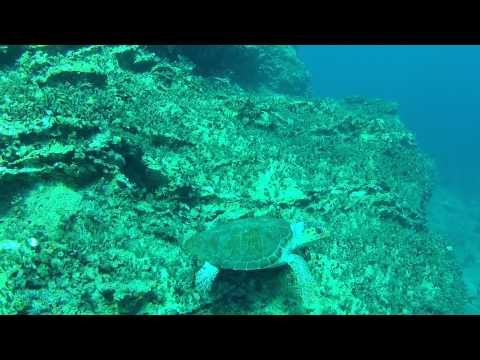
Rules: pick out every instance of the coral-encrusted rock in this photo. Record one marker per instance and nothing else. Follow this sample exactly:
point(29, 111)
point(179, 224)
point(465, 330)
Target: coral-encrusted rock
point(75, 73)
point(135, 59)
point(271, 68)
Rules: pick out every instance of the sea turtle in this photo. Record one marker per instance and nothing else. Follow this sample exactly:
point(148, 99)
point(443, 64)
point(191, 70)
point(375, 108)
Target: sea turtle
point(253, 244)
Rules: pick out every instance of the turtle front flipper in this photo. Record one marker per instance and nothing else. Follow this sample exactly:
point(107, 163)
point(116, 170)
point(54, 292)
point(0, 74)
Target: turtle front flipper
point(205, 277)
point(305, 281)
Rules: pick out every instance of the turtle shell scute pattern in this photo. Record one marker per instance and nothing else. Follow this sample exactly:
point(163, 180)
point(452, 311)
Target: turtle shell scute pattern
point(245, 244)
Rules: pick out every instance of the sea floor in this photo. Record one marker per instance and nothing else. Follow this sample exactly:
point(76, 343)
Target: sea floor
point(458, 219)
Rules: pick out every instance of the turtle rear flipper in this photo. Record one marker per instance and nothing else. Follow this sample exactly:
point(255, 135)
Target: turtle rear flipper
point(205, 277)
point(305, 281)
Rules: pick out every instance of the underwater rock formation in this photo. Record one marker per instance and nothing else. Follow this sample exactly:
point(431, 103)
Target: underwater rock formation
point(112, 155)
point(272, 67)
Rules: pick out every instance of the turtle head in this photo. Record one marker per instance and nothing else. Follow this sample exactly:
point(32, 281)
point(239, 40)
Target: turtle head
point(306, 233)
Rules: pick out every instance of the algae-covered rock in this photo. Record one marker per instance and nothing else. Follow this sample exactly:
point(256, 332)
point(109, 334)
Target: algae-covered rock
point(275, 68)
point(135, 59)
point(76, 73)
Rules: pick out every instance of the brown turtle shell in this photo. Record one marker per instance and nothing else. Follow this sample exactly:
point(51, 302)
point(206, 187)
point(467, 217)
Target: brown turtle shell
point(245, 244)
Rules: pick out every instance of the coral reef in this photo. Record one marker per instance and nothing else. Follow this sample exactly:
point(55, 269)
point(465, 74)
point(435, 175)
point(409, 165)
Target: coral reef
point(110, 156)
